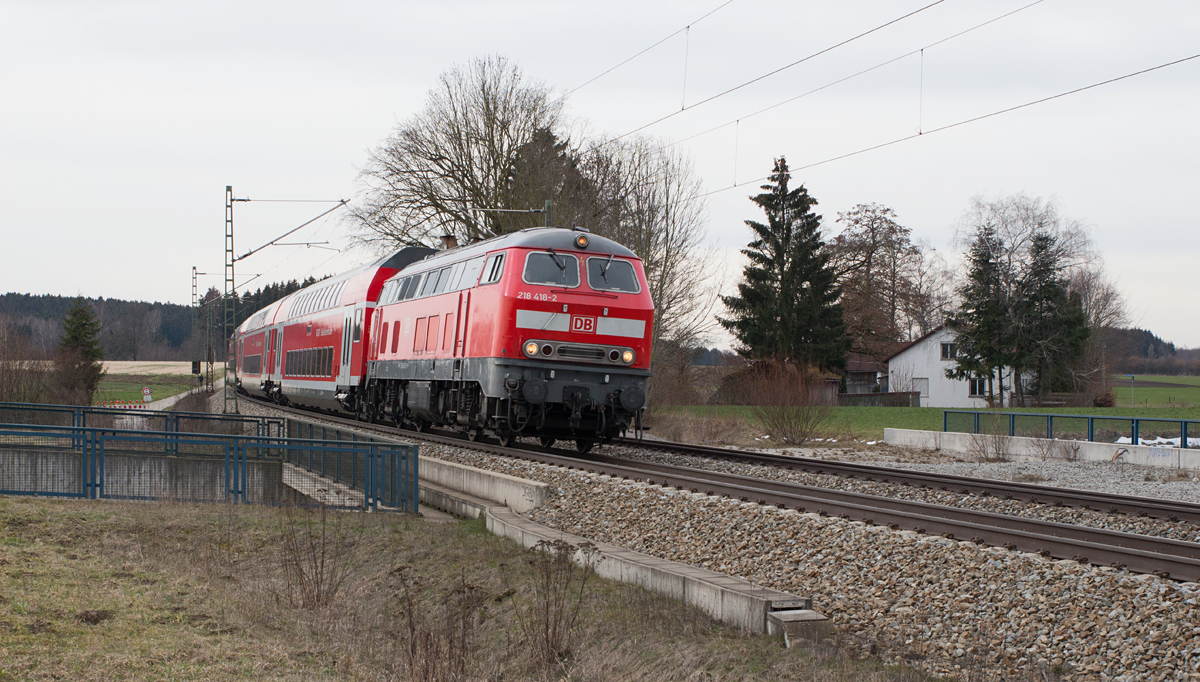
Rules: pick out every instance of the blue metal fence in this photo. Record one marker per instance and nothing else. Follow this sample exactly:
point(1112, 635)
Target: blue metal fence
point(1102, 428)
point(144, 420)
point(95, 463)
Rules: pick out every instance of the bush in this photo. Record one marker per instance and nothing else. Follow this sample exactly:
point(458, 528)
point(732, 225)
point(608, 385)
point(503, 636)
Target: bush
point(789, 402)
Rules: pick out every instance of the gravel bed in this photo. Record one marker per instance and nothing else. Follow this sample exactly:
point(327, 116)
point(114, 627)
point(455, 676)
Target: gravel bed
point(940, 605)
point(1125, 479)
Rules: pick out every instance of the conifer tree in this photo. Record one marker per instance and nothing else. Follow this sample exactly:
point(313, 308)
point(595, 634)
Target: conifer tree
point(981, 322)
point(786, 308)
point(79, 365)
point(1052, 329)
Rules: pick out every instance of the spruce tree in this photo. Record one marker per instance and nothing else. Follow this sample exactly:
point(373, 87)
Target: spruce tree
point(1052, 329)
point(981, 323)
point(79, 365)
point(786, 308)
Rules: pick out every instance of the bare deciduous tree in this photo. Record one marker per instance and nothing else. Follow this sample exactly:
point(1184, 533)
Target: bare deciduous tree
point(457, 154)
point(893, 289)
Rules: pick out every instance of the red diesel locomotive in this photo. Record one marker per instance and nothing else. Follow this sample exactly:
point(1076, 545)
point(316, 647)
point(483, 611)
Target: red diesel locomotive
point(544, 332)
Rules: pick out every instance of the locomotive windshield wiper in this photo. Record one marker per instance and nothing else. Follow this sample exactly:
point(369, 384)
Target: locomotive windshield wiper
point(604, 268)
point(561, 265)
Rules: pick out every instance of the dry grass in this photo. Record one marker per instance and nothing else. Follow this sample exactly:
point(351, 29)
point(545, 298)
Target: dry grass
point(733, 429)
point(107, 590)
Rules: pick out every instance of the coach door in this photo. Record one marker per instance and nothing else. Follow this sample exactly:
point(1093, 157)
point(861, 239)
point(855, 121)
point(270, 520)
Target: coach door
point(347, 324)
point(269, 352)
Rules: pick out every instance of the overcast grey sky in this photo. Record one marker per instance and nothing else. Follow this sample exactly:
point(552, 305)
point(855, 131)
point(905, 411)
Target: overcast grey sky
point(121, 123)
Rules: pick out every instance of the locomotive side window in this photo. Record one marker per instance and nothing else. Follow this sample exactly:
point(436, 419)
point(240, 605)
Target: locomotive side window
point(470, 273)
point(493, 269)
point(443, 280)
point(610, 274)
point(414, 287)
point(431, 279)
point(395, 337)
point(383, 339)
point(456, 271)
point(553, 269)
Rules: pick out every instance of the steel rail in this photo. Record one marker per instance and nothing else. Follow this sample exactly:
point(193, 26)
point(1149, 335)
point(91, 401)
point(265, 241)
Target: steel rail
point(1171, 510)
point(1164, 557)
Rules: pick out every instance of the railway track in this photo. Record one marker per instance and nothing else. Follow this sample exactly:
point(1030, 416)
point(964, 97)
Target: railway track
point(1041, 494)
point(1138, 553)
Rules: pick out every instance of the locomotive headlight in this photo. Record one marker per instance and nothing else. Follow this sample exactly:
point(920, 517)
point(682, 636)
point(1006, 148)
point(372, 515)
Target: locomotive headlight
point(581, 241)
point(627, 356)
point(531, 348)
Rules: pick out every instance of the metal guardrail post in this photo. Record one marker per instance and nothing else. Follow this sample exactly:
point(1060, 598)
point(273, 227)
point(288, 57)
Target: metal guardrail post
point(1136, 438)
point(1091, 429)
point(416, 476)
point(1183, 434)
point(1012, 424)
point(1049, 427)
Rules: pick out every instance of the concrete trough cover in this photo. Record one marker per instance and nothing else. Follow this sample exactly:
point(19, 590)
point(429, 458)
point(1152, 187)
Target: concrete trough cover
point(797, 625)
point(791, 604)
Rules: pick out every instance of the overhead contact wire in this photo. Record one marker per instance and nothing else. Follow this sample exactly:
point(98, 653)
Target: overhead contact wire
point(927, 133)
point(776, 71)
point(855, 75)
point(682, 30)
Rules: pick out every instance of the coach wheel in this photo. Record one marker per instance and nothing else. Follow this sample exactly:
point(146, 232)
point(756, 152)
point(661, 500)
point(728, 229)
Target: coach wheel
point(546, 441)
point(421, 426)
point(583, 445)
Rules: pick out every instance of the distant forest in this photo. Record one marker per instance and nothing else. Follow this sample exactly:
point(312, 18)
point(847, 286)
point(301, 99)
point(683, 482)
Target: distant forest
point(137, 330)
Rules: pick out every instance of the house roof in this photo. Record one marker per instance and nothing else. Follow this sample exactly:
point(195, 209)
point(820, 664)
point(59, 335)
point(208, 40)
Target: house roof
point(906, 346)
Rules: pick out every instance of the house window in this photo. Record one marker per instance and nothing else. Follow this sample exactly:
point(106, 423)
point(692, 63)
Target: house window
point(978, 387)
point(949, 351)
point(921, 385)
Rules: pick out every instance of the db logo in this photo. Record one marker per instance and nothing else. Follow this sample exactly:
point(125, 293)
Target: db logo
point(583, 325)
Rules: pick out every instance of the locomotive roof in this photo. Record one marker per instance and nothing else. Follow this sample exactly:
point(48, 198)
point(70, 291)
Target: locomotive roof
point(557, 238)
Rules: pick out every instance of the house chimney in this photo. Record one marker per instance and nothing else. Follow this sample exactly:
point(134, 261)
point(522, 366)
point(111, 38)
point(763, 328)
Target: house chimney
point(449, 241)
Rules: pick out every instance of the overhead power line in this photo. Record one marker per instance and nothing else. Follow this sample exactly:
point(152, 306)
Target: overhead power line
point(682, 30)
point(776, 71)
point(949, 126)
point(854, 75)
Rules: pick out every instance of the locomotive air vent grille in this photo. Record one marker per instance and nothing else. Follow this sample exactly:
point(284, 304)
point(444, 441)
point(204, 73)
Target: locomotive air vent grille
point(580, 352)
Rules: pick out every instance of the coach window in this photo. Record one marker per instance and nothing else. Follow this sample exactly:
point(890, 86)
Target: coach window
point(337, 294)
point(553, 269)
point(493, 269)
point(358, 325)
point(610, 274)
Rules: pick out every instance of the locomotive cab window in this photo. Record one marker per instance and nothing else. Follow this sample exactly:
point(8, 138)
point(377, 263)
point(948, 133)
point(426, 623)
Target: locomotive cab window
point(551, 269)
point(493, 269)
point(610, 274)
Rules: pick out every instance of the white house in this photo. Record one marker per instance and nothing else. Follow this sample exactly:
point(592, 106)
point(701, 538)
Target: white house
point(921, 366)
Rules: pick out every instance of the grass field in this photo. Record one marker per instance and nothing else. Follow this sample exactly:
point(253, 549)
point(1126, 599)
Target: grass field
point(868, 423)
point(140, 591)
point(129, 386)
point(1179, 390)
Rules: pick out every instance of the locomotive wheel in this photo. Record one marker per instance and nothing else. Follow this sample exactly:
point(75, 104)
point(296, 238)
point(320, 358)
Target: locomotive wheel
point(546, 441)
point(583, 445)
point(475, 435)
point(508, 439)
point(420, 425)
